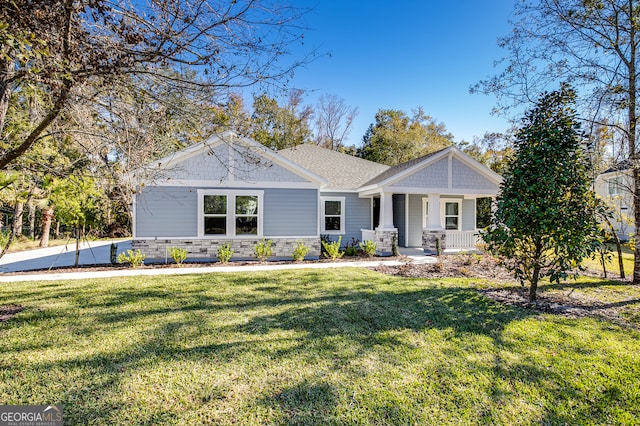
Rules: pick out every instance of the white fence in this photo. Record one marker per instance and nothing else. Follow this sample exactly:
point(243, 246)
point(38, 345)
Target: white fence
point(461, 239)
point(368, 235)
point(455, 240)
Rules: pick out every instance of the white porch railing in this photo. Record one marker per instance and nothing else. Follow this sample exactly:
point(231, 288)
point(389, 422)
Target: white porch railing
point(368, 235)
point(461, 239)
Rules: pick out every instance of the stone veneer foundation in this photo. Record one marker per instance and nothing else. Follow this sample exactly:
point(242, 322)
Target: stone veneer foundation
point(157, 249)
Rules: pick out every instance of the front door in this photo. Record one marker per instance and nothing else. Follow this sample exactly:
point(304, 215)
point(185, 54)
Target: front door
point(376, 212)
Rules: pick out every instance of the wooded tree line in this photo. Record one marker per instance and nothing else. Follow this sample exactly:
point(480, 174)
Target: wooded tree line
point(92, 90)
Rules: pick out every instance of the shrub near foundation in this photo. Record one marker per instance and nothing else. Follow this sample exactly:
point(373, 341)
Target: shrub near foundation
point(368, 247)
point(263, 250)
point(225, 253)
point(332, 249)
point(133, 258)
point(300, 251)
point(179, 255)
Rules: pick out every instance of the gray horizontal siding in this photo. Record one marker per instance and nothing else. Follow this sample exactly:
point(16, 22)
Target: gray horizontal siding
point(399, 217)
point(469, 215)
point(172, 212)
point(166, 212)
point(290, 212)
point(357, 215)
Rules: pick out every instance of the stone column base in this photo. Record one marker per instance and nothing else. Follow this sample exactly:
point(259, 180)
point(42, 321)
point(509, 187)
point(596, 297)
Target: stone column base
point(434, 241)
point(385, 240)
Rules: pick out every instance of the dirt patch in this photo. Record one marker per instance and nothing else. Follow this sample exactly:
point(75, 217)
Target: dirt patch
point(8, 311)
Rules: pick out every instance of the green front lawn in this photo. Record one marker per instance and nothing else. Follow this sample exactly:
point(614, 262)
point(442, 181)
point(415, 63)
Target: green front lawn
point(611, 262)
point(346, 346)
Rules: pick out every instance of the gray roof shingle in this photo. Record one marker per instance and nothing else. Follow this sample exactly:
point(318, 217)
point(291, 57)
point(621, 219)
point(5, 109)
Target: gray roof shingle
point(343, 171)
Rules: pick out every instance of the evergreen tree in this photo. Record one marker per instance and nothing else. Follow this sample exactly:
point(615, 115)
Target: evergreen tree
point(545, 218)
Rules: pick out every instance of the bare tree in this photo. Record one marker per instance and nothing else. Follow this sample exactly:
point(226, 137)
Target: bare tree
point(333, 121)
point(594, 45)
point(62, 45)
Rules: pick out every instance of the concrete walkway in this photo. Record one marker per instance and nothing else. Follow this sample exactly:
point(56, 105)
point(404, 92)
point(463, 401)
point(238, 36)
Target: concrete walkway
point(91, 253)
point(98, 252)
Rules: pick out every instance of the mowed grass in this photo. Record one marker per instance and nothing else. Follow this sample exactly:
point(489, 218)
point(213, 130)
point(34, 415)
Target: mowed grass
point(347, 346)
point(611, 261)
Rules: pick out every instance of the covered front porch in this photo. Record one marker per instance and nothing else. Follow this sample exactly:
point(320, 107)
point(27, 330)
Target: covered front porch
point(434, 223)
point(438, 202)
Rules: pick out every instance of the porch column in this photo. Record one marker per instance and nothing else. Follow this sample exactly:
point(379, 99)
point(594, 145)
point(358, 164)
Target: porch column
point(434, 237)
point(386, 210)
point(433, 222)
point(386, 233)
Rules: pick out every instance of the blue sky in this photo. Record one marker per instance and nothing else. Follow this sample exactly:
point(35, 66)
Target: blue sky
point(405, 54)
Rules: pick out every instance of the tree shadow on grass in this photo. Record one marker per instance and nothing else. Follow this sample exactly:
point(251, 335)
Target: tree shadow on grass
point(305, 403)
point(288, 319)
point(359, 314)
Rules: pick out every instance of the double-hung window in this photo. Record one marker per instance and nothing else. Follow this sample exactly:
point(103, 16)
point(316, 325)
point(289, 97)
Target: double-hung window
point(332, 215)
point(230, 213)
point(615, 185)
point(452, 216)
point(215, 214)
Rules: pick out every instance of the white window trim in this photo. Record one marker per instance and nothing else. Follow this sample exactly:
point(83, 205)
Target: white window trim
point(425, 212)
point(443, 211)
point(231, 212)
point(341, 231)
point(615, 183)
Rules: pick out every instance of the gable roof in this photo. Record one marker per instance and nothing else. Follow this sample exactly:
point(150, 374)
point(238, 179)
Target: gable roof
point(330, 170)
point(232, 138)
point(392, 171)
point(620, 166)
point(342, 171)
point(401, 171)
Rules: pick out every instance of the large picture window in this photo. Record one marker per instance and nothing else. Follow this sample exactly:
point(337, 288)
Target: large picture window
point(332, 215)
point(230, 213)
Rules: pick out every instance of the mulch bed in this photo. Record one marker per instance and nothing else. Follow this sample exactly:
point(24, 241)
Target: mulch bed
point(8, 311)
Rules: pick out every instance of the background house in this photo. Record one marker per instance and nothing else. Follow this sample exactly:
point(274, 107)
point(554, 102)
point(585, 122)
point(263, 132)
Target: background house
point(614, 187)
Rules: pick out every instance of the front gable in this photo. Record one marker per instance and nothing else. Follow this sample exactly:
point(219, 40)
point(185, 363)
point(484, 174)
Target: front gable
point(229, 160)
point(464, 176)
point(449, 171)
point(437, 174)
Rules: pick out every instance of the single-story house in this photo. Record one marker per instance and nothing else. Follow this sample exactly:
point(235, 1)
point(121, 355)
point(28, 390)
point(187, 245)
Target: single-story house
point(231, 189)
point(614, 187)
